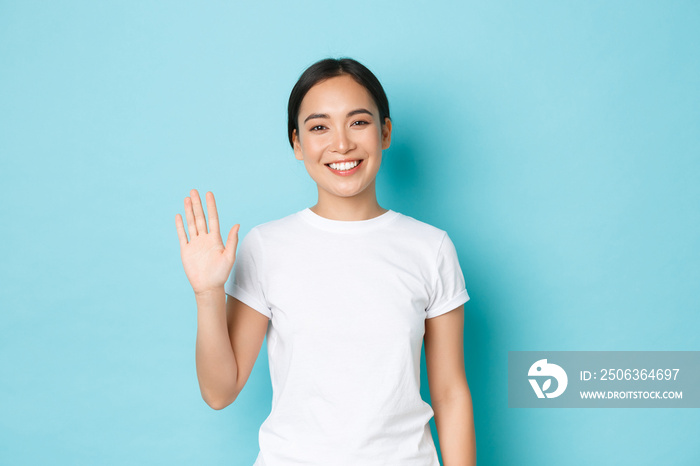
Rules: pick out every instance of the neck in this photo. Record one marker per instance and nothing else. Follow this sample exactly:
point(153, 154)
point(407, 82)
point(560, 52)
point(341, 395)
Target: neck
point(364, 206)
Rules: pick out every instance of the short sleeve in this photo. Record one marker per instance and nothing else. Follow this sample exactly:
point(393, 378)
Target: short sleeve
point(245, 282)
point(448, 290)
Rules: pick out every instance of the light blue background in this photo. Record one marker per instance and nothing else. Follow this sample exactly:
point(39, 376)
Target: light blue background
point(557, 142)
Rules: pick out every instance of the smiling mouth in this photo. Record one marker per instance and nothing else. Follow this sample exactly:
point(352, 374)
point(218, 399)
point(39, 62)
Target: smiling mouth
point(344, 166)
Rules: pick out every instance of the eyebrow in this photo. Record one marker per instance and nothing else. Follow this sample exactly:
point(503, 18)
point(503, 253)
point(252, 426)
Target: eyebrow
point(325, 115)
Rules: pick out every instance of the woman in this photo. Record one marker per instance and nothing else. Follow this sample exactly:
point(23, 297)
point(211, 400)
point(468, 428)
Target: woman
point(350, 291)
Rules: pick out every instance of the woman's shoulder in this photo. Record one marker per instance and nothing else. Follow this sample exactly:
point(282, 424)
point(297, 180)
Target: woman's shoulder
point(279, 225)
point(411, 225)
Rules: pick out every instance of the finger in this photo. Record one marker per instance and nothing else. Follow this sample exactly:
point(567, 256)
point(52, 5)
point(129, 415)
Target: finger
point(189, 215)
point(232, 242)
point(199, 219)
point(212, 213)
point(182, 236)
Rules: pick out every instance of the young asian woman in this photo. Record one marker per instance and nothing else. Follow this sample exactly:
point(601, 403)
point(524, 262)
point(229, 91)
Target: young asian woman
point(346, 292)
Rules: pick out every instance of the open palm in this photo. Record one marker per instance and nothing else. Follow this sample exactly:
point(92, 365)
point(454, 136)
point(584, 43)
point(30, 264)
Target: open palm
point(207, 261)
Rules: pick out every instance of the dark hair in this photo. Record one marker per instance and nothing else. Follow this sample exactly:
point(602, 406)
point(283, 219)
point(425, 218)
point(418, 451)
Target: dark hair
point(331, 68)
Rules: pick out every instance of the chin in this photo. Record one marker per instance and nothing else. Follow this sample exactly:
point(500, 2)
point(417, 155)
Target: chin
point(344, 195)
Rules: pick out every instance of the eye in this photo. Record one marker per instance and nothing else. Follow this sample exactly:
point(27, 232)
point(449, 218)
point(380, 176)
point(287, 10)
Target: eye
point(360, 123)
point(317, 128)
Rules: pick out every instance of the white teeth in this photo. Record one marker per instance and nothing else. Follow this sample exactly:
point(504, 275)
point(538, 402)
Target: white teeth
point(343, 166)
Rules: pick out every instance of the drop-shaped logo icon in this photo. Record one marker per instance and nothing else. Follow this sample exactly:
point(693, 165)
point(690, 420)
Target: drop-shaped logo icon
point(544, 369)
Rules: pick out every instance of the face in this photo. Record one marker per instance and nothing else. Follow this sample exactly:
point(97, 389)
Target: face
point(341, 138)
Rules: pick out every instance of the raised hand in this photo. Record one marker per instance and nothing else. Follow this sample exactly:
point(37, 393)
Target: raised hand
point(207, 261)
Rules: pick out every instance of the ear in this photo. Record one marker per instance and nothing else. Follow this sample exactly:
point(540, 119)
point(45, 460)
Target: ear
point(386, 133)
point(297, 146)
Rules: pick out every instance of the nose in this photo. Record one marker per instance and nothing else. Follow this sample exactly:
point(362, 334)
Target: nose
point(342, 142)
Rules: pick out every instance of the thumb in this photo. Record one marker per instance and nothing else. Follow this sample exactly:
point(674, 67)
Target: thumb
point(232, 242)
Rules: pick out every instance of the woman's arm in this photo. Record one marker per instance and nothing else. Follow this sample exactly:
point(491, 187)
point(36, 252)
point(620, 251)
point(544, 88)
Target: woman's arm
point(228, 344)
point(229, 335)
point(449, 392)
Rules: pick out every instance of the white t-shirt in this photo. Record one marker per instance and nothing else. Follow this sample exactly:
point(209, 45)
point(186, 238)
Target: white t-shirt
point(347, 302)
